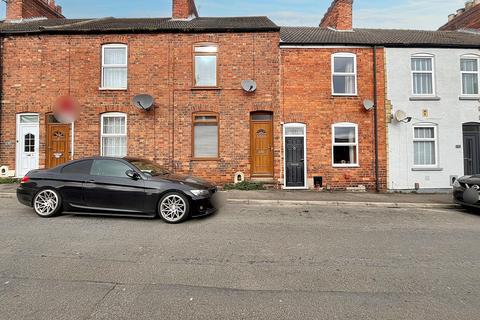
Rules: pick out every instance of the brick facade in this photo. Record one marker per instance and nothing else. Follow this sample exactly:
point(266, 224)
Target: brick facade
point(307, 98)
point(339, 15)
point(24, 9)
point(184, 9)
point(39, 69)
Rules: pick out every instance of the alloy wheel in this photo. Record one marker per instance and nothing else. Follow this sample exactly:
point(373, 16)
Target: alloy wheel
point(46, 203)
point(173, 208)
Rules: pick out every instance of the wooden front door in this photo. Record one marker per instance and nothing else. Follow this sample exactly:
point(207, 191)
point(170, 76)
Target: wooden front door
point(261, 132)
point(58, 143)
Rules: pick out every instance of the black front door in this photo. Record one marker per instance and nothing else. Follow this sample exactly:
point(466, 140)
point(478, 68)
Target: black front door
point(471, 148)
point(295, 162)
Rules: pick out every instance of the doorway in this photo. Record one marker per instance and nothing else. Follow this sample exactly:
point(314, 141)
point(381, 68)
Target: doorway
point(261, 144)
point(295, 156)
point(471, 148)
point(58, 142)
point(28, 143)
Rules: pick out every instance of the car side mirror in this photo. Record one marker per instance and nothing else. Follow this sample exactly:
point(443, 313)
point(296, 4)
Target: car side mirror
point(132, 174)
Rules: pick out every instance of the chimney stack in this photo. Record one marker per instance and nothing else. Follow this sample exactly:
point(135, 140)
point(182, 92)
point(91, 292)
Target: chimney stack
point(339, 16)
point(184, 9)
point(26, 9)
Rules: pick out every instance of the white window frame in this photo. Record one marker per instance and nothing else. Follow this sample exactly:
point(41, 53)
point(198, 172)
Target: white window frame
point(104, 66)
point(305, 161)
point(432, 72)
point(435, 140)
point(344, 55)
point(335, 144)
point(107, 135)
point(205, 50)
point(470, 57)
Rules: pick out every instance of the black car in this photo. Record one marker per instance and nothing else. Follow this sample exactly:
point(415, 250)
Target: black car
point(466, 191)
point(113, 186)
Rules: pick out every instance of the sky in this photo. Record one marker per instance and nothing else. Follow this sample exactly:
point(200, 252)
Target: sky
point(403, 14)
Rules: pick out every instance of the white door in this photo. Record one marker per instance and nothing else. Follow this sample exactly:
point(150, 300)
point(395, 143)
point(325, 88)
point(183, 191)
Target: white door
point(27, 143)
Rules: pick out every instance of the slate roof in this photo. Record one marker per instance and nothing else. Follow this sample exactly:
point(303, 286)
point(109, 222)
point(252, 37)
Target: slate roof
point(112, 25)
point(381, 37)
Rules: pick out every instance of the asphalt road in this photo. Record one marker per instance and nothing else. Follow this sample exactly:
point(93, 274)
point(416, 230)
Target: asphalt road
point(246, 262)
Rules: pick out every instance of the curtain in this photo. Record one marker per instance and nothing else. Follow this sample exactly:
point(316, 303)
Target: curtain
point(422, 75)
point(469, 69)
point(344, 84)
point(115, 68)
point(206, 140)
point(424, 151)
point(116, 56)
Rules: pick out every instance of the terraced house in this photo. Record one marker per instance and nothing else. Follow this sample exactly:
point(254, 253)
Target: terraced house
point(331, 107)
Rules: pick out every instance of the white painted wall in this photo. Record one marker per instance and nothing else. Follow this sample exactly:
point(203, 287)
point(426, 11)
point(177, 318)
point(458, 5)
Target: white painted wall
point(449, 113)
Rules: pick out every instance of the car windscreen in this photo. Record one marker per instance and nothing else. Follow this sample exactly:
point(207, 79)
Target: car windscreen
point(149, 167)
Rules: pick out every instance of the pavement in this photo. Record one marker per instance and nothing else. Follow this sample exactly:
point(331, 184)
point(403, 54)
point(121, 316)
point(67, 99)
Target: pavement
point(246, 262)
point(368, 199)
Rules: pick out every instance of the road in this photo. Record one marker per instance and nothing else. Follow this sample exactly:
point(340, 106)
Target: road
point(246, 262)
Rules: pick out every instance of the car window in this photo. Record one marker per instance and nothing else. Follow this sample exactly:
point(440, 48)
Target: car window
point(109, 168)
point(81, 167)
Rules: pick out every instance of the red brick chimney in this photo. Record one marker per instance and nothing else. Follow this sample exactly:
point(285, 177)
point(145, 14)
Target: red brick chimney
point(184, 9)
point(339, 15)
point(25, 9)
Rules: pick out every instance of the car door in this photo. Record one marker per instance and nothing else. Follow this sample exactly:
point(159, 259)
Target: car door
point(71, 181)
point(110, 190)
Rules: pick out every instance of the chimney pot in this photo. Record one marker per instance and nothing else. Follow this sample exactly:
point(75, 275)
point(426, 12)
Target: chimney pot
point(451, 16)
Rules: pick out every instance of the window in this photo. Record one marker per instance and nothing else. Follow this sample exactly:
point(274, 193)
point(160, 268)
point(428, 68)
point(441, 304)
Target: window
point(81, 167)
point(205, 62)
point(29, 142)
point(110, 168)
point(344, 74)
point(114, 66)
point(29, 118)
point(114, 135)
point(425, 146)
point(345, 145)
point(205, 135)
point(470, 75)
point(422, 76)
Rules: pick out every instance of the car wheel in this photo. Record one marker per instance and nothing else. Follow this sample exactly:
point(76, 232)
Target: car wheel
point(174, 207)
point(47, 203)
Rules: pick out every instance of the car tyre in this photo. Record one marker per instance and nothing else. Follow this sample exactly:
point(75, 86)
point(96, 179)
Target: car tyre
point(174, 207)
point(47, 203)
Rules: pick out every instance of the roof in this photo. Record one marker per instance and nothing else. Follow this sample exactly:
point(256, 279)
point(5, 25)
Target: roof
point(134, 25)
point(469, 19)
point(381, 37)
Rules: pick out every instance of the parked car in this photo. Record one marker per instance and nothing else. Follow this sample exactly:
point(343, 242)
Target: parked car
point(112, 186)
point(466, 191)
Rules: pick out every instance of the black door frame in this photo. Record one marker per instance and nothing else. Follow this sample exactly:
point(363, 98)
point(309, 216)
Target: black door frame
point(305, 164)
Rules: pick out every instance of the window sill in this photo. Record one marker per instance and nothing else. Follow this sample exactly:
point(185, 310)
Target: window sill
point(425, 98)
point(205, 159)
point(339, 166)
point(474, 98)
point(426, 169)
point(205, 88)
point(353, 95)
point(112, 89)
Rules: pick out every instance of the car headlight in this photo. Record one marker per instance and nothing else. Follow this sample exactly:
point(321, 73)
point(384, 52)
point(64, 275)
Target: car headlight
point(199, 193)
point(457, 184)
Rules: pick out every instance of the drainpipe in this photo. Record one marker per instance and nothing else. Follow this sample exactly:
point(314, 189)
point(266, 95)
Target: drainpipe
point(375, 118)
point(1, 88)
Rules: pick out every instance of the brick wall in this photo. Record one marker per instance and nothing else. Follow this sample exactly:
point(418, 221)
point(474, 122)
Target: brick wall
point(307, 98)
point(39, 69)
point(24, 9)
point(339, 15)
point(184, 9)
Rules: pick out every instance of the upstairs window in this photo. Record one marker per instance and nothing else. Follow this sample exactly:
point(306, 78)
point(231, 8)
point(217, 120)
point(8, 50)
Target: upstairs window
point(205, 136)
point(470, 75)
point(344, 74)
point(423, 76)
point(345, 145)
point(425, 146)
point(114, 66)
point(114, 135)
point(205, 65)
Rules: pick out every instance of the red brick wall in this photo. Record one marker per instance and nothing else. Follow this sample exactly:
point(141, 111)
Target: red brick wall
point(339, 15)
point(467, 20)
point(307, 98)
point(183, 9)
point(23, 9)
point(39, 69)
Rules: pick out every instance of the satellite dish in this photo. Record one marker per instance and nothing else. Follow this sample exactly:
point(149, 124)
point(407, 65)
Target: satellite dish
point(368, 104)
point(249, 85)
point(143, 101)
point(401, 116)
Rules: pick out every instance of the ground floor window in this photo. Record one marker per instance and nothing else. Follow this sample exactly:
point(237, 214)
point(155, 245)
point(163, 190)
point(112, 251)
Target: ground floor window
point(114, 135)
point(425, 146)
point(345, 145)
point(205, 136)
